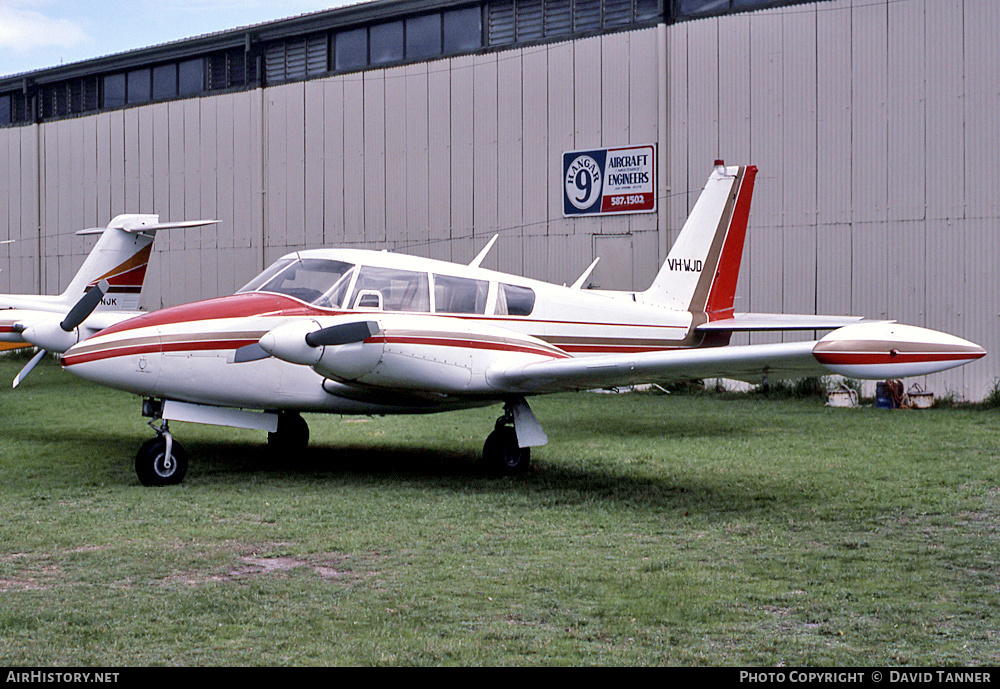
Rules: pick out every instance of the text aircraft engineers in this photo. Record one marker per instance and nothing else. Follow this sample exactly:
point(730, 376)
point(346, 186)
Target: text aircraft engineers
point(104, 291)
point(353, 331)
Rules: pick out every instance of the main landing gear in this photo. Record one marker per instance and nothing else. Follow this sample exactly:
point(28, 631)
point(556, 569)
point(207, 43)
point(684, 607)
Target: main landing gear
point(501, 453)
point(507, 451)
point(292, 434)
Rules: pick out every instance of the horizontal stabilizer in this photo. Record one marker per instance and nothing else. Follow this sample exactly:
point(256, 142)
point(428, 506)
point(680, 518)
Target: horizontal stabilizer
point(758, 322)
point(134, 227)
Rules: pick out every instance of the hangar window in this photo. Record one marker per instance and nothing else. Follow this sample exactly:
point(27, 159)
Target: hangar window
point(54, 101)
point(114, 91)
point(164, 81)
point(500, 22)
point(5, 115)
point(385, 43)
point(296, 59)
point(558, 17)
point(617, 12)
point(460, 295)
point(529, 19)
point(139, 88)
point(688, 9)
point(587, 16)
point(646, 10)
point(423, 36)
point(191, 77)
point(351, 49)
point(515, 301)
point(463, 29)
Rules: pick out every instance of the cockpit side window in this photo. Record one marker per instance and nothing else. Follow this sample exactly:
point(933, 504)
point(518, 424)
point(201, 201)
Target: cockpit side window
point(460, 295)
point(312, 280)
point(401, 290)
point(513, 300)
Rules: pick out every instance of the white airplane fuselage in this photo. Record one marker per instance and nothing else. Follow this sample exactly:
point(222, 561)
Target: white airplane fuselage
point(443, 353)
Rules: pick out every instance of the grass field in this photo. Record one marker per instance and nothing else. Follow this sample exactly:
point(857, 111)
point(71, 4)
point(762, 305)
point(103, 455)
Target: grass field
point(652, 530)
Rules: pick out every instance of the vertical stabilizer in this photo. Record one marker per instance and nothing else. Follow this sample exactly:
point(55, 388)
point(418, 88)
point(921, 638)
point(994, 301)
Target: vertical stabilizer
point(120, 257)
point(703, 265)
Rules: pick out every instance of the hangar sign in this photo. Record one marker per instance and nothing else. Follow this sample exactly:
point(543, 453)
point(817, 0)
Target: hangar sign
point(608, 181)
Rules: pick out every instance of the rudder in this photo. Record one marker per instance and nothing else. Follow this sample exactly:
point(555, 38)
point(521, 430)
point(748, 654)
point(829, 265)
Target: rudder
point(702, 268)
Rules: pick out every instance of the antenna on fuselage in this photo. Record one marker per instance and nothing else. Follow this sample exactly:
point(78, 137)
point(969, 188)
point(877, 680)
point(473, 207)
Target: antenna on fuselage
point(482, 254)
point(583, 276)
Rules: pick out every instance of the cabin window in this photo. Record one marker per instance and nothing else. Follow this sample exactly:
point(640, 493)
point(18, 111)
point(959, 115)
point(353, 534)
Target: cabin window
point(312, 280)
point(460, 295)
point(514, 301)
point(401, 290)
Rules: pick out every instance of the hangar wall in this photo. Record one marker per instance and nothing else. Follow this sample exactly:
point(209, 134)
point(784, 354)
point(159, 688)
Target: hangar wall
point(876, 128)
point(431, 158)
point(874, 125)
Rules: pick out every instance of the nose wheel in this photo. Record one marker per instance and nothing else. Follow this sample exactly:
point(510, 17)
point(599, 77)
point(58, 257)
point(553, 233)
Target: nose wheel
point(161, 461)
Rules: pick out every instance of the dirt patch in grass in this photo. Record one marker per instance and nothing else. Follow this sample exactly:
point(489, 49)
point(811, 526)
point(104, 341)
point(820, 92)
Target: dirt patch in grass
point(41, 572)
point(333, 566)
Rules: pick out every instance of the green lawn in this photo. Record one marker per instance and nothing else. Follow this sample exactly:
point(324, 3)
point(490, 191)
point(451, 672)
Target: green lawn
point(652, 530)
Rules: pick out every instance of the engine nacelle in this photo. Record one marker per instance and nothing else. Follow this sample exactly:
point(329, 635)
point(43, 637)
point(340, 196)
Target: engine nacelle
point(427, 354)
point(345, 362)
point(879, 350)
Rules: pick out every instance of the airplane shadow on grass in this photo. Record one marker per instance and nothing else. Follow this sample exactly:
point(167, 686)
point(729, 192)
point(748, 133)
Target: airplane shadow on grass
point(555, 477)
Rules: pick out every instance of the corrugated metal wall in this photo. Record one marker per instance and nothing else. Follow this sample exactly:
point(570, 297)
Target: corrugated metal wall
point(876, 128)
point(874, 124)
point(431, 158)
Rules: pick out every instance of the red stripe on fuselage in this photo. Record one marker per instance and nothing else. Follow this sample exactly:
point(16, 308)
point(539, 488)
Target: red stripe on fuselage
point(434, 341)
point(113, 351)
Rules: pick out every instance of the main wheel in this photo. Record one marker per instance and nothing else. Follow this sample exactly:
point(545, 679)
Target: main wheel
point(292, 433)
point(155, 468)
point(503, 456)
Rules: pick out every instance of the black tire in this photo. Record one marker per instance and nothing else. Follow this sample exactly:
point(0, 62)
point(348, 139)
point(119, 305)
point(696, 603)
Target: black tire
point(292, 434)
point(501, 453)
point(152, 467)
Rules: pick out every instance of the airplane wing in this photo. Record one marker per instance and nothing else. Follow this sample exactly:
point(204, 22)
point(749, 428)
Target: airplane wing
point(872, 350)
point(460, 357)
point(748, 362)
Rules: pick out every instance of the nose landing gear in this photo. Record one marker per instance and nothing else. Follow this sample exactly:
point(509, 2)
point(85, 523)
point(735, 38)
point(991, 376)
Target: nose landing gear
point(161, 461)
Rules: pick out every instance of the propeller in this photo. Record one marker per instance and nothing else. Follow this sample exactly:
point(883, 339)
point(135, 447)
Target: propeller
point(83, 308)
point(284, 338)
point(344, 333)
point(23, 373)
point(250, 352)
point(77, 315)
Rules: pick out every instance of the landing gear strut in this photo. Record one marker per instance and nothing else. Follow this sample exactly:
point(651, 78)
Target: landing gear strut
point(502, 454)
point(161, 461)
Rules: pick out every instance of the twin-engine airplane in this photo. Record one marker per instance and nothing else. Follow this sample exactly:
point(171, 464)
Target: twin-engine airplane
point(352, 331)
point(104, 291)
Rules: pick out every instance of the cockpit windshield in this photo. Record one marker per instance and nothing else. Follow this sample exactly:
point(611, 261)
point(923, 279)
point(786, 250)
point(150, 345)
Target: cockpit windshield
point(318, 281)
